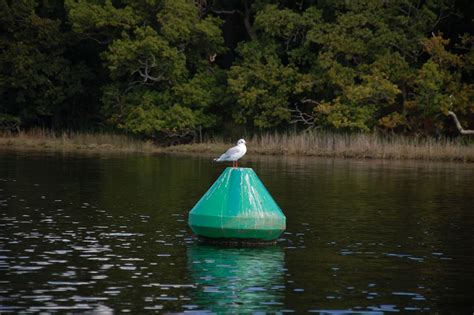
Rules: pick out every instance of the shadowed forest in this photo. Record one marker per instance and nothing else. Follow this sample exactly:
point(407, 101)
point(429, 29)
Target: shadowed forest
point(178, 69)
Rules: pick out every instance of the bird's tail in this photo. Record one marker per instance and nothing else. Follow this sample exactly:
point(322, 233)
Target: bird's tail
point(220, 158)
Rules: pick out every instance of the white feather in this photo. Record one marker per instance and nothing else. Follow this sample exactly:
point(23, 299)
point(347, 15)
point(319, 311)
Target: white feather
point(234, 153)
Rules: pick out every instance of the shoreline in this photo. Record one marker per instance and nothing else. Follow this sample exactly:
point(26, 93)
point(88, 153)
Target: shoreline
point(346, 146)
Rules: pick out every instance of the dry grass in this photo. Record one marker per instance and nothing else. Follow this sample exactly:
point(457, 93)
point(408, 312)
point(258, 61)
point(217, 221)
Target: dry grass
point(346, 146)
point(304, 144)
point(40, 139)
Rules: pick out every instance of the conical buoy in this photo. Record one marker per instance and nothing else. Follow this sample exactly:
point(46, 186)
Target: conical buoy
point(239, 208)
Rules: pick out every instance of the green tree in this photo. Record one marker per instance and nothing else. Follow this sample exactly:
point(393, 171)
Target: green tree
point(167, 68)
point(262, 86)
point(159, 55)
point(350, 65)
point(438, 85)
point(37, 81)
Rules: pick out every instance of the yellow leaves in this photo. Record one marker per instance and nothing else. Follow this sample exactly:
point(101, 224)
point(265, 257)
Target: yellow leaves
point(339, 75)
point(305, 83)
point(344, 115)
point(375, 88)
point(409, 104)
point(324, 108)
point(392, 120)
point(436, 47)
point(463, 99)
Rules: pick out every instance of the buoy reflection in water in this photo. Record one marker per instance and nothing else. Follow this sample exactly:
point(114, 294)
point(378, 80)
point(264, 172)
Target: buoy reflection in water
point(237, 279)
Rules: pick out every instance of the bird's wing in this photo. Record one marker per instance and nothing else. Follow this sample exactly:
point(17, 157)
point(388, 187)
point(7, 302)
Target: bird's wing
point(232, 151)
point(228, 154)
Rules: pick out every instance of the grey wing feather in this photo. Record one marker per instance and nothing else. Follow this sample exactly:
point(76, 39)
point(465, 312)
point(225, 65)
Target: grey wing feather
point(228, 154)
point(231, 151)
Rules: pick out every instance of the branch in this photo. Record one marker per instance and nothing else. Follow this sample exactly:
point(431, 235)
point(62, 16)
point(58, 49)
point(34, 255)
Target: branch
point(248, 25)
point(458, 125)
point(308, 100)
point(405, 52)
point(147, 67)
point(91, 37)
point(302, 117)
point(229, 12)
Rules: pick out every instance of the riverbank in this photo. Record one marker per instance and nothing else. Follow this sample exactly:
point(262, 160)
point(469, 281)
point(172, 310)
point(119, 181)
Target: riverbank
point(45, 140)
point(321, 144)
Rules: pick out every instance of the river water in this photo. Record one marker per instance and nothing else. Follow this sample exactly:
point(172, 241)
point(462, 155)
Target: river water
point(104, 234)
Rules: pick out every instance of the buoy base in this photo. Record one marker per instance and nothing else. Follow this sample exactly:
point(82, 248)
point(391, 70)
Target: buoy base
point(236, 242)
point(267, 231)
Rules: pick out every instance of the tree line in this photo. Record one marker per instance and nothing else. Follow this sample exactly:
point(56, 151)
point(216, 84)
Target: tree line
point(175, 68)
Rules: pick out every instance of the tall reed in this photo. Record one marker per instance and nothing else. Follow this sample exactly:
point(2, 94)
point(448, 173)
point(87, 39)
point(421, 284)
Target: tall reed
point(353, 145)
point(44, 139)
point(316, 143)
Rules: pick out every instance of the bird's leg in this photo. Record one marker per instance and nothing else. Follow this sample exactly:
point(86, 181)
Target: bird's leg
point(233, 164)
point(236, 163)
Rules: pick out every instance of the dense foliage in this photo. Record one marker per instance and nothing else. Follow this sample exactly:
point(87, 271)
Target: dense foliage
point(173, 68)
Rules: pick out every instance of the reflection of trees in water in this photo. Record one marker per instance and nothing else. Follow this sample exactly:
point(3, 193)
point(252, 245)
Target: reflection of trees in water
point(237, 279)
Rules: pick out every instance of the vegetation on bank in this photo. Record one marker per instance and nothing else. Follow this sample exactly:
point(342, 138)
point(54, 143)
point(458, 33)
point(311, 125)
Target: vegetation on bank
point(45, 140)
point(182, 69)
point(322, 144)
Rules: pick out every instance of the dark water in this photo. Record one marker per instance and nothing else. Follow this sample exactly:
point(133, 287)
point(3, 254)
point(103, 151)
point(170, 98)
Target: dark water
point(108, 234)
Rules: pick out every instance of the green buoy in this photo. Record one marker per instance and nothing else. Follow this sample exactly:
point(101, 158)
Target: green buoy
point(237, 207)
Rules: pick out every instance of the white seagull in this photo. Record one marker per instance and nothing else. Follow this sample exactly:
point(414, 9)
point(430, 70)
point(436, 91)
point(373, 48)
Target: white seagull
point(234, 153)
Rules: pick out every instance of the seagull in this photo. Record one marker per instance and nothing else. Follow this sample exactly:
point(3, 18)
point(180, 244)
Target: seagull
point(234, 153)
